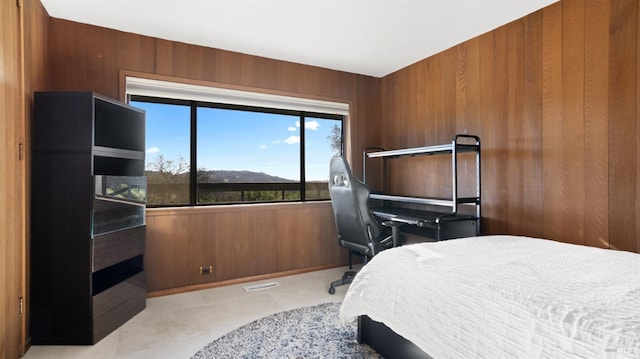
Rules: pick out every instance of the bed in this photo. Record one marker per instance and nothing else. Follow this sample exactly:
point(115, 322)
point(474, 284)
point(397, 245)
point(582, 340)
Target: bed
point(498, 297)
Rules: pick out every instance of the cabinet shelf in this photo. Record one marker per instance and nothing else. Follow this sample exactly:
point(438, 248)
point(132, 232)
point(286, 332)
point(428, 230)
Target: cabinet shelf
point(424, 151)
point(118, 153)
point(442, 202)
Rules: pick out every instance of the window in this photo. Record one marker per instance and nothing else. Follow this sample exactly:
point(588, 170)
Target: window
point(201, 153)
point(323, 140)
point(168, 144)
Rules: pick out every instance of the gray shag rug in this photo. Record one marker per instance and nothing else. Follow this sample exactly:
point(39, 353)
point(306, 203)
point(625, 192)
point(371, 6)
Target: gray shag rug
point(309, 332)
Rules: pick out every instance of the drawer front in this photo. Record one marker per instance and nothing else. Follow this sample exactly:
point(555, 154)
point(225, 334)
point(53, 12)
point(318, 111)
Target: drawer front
point(458, 229)
point(119, 315)
point(114, 247)
point(118, 294)
point(118, 304)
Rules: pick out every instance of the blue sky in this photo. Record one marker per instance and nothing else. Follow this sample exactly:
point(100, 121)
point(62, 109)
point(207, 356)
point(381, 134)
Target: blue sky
point(239, 140)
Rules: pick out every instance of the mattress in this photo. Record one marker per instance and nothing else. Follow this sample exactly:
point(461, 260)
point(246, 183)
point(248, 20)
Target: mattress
point(504, 297)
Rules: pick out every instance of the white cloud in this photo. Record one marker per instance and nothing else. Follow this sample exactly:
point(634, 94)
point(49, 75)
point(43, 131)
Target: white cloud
point(291, 128)
point(153, 150)
point(292, 140)
point(311, 125)
point(262, 147)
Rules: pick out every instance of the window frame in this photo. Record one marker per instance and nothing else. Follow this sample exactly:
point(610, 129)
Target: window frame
point(193, 163)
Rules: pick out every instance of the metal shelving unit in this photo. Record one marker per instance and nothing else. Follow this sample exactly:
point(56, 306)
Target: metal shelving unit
point(448, 208)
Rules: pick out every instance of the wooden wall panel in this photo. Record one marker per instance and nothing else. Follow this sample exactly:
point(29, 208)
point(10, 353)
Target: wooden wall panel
point(234, 238)
point(515, 180)
point(424, 104)
point(532, 185)
point(166, 259)
point(468, 87)
point(238, 242)
point(637, 215)
point(293, 253)
point(555, 208)
point(135, 56)
point(573, 118)
point(23, 68)
point(201, 251)
point(596, 104)
point(556, 107)
point(508, 96)
point(364, 129)
point(87, 57)
point(491, 221)
point(266, 239)
point(498, 114)
point(36, 26)
point(623, 137)
point(11, 202)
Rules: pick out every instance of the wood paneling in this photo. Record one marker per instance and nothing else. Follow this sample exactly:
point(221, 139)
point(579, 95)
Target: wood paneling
point(531, 158)
point(85, 57)
point(267, 239)
point(573, 140)
point(166, 251)
point(364, 128)
point(11, 200)
point(622, 121)
point(36, 30)
point(491, 220)
point(596, 106)
point(238, 242)
point(553, 192)
point(553, 97)
point(22, 71)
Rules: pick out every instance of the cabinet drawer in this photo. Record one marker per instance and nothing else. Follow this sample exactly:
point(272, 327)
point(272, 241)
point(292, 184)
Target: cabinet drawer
point(118, 294)
point(118, 315)
point(113, 247)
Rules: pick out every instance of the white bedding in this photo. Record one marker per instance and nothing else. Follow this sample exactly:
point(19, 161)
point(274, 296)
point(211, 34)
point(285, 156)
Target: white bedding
point(504, 297)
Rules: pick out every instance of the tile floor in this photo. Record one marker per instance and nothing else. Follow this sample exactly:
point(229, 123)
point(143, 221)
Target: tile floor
point(177, 326)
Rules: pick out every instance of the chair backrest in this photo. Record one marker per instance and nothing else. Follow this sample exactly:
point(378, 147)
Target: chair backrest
point(357, 228)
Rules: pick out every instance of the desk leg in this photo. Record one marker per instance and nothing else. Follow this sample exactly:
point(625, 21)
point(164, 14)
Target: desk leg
point(395, 235)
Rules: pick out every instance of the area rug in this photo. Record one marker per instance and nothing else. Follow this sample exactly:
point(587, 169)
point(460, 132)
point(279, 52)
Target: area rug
point(309, 332)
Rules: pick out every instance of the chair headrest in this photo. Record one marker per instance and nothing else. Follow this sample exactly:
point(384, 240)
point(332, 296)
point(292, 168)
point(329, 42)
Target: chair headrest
point(339, 180)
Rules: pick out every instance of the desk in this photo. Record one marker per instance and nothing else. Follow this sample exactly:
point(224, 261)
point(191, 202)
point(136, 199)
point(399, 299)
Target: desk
point(447, 220)
point(435, 225)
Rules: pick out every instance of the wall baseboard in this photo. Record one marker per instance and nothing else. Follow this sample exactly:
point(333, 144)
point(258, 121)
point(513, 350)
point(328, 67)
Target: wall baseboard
point(190, 288)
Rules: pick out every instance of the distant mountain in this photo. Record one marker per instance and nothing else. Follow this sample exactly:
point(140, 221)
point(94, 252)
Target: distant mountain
point(221, 176)
point(217, 176)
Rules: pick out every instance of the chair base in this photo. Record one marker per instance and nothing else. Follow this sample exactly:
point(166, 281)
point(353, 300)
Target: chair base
point(347, 278)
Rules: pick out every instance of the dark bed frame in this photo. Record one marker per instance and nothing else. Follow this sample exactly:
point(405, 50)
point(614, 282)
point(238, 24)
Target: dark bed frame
point(385, 341)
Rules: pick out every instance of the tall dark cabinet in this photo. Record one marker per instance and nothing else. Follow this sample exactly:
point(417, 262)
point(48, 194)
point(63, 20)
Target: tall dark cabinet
point(87, 217)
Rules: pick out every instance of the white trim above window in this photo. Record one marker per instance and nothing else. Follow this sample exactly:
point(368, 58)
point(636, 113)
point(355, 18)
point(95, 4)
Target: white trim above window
point(182, 91)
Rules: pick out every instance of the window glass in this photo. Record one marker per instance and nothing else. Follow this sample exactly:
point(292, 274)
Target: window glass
point(323, 140)
point(167, 152)
point(247, 156)
point(202, 153)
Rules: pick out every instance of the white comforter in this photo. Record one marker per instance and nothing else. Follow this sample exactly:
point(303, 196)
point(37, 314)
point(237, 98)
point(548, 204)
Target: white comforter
point(504, 297)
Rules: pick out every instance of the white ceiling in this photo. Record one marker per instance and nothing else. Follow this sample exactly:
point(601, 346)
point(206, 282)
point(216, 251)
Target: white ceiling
point(369, 37)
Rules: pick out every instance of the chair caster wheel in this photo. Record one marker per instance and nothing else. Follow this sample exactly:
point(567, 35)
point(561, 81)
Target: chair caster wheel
point(332, 290)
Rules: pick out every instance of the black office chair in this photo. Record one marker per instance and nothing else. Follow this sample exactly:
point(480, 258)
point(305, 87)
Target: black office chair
point(358, 229)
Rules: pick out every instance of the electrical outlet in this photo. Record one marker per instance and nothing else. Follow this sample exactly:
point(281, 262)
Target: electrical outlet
point(206, 270)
